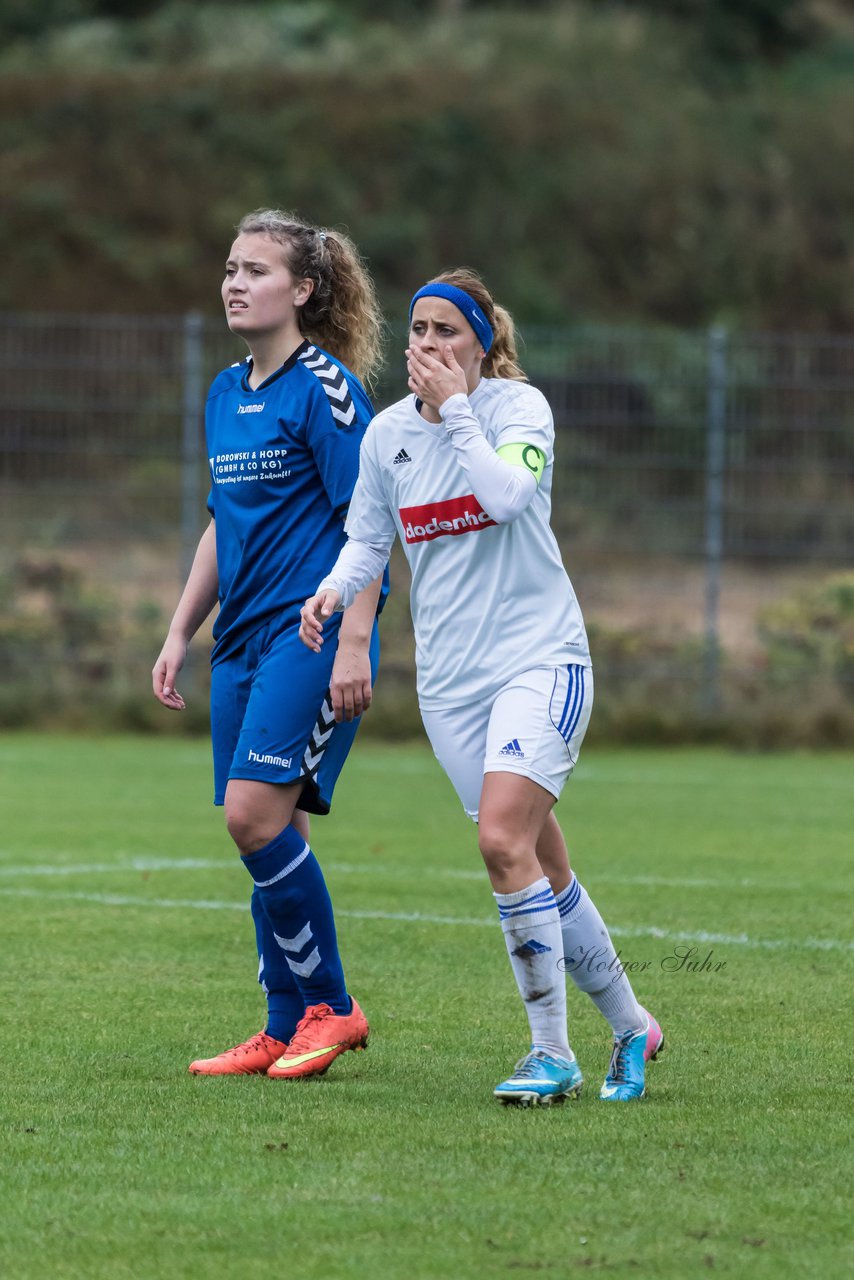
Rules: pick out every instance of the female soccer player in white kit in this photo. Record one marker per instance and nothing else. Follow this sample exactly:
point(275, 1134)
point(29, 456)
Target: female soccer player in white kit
point(461, 471)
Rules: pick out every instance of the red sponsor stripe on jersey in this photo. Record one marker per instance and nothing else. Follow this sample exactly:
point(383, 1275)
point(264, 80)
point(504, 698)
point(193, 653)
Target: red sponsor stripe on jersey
point(444, 519)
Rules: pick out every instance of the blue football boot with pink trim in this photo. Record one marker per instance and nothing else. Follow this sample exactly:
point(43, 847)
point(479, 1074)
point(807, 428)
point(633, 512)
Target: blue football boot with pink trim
point(625, 1079)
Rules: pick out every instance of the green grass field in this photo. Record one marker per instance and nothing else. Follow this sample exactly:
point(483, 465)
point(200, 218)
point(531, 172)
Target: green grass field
point(128, 950)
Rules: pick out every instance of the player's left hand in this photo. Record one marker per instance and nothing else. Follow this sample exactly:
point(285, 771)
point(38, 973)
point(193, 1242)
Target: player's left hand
point(434, 381)
point(350, 686)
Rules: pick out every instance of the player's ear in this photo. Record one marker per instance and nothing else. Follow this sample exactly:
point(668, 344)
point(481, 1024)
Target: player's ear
point(303, 291)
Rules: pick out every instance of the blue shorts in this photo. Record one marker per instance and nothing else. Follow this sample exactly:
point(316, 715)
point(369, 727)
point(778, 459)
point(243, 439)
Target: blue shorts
point(271, 716)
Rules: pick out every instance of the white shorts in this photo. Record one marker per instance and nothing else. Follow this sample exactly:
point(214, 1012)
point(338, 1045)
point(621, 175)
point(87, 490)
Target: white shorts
point(534, 726)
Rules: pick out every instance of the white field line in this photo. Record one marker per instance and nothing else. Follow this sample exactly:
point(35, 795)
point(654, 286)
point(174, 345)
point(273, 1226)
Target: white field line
point(133, 864)
point(700, 937)
point(752, 782)
point(603, 773)
point(146, 864)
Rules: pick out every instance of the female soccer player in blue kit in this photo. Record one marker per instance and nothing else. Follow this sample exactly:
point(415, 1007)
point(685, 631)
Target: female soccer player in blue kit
point(283, 431)
point(461, 472)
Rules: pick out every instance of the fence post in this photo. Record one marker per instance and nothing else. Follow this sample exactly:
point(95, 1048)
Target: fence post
point(191, 437)
point(716, 422)
point(191, 447)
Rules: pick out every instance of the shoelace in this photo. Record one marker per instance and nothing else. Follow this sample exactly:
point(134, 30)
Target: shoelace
point(618, 1070)
point(525, 1068)
point(300, 1040)
point(257, 1042)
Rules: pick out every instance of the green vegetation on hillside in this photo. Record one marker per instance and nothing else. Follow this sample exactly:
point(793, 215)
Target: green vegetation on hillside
point(678, 162)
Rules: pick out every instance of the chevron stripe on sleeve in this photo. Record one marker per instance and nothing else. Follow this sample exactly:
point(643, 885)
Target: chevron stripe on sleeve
point(334, 384)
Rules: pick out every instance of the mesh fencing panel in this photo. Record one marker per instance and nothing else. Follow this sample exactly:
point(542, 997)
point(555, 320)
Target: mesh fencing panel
point(700, 477)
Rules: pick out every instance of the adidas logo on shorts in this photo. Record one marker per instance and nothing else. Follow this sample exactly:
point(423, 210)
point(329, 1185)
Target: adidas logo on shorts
point(403, 456)
point(513, 749)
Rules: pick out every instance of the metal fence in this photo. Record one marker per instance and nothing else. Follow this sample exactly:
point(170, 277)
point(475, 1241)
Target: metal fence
point(700, 477)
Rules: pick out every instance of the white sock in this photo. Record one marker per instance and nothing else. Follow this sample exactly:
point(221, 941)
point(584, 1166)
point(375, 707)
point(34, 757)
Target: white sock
point(532, 932)
point(592, 962)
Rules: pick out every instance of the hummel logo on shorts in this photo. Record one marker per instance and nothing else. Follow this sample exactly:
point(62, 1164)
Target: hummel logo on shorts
point(403, 456)
point(513, 749)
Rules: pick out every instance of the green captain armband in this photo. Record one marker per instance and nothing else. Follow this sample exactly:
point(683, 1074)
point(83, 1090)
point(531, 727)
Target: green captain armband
point(524, 455)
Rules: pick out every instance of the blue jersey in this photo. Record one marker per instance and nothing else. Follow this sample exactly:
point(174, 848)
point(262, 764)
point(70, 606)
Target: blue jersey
point(283, 458)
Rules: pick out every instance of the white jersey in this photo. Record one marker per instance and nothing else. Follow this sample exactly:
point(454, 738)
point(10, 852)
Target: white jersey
point(488, 600)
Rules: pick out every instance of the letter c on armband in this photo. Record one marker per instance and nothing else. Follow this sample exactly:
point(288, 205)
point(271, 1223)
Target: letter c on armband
point(524, 455)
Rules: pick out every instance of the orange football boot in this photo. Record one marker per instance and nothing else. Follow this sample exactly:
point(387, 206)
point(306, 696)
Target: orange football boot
point(320, 1037)
point(248, 1059)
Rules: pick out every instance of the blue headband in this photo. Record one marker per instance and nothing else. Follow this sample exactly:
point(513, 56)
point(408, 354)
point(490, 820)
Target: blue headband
point(463, 302)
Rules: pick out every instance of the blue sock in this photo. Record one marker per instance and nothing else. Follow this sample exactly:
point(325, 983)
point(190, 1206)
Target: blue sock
point(293, 893)
point(285, 1005)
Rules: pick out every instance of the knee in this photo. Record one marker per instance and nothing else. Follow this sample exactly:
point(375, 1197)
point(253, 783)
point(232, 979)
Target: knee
point(243, 827)
point(256, 812)
point(500, 853)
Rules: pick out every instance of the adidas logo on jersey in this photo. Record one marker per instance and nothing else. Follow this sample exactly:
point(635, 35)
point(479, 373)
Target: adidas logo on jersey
point(403, 456)
point(512, 749)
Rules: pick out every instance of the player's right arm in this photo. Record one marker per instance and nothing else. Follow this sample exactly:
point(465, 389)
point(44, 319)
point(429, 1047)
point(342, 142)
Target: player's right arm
point(197, 600)
point(358, 565)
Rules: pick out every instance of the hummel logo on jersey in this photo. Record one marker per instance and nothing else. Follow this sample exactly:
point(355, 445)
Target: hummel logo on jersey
point(403, 456)
point(531, 948)
point(513, 749)
point(251, 408)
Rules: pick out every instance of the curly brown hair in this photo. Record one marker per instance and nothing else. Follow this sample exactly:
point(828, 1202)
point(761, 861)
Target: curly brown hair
point(342, 314)
point(501, 360)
